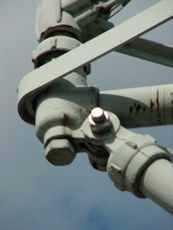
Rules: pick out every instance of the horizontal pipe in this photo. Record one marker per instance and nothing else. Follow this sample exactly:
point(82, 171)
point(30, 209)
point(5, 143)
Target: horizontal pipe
point(157, 184)
point(140, 107)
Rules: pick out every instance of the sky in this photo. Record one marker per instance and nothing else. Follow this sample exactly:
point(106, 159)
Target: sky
point(35, 195)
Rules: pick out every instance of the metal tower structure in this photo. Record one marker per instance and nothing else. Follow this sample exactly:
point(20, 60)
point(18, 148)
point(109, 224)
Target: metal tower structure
point(71, 117)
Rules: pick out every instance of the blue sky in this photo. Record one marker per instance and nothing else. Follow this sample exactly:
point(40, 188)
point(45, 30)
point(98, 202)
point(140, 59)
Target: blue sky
point(35, 195)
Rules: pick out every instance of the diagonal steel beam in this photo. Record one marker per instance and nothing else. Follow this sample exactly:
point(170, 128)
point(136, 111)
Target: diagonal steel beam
point(149, 51)
point(95, 48)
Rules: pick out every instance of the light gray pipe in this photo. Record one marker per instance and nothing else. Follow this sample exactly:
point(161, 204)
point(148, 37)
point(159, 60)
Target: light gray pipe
point(157, 184)
point(140, 107)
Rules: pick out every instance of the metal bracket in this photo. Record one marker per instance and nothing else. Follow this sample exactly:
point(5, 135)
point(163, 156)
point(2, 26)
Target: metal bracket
point(130, 154)
point(40, 78)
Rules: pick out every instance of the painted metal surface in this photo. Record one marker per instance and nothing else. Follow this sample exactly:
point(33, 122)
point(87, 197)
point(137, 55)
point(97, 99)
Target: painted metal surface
point(149, 51)
point(157, 184)
point(140, 107)
point(103, 44)
point(136, 163)
point(60, 113)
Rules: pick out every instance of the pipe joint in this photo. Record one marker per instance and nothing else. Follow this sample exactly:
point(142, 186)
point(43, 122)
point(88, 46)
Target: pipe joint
point(131, 155)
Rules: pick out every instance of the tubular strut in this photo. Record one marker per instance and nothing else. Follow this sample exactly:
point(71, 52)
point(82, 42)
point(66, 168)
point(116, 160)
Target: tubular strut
point(67, 113)
point(40, 78)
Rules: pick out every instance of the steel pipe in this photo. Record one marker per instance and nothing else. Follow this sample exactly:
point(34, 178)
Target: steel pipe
point(140, 107)
point(157, 183)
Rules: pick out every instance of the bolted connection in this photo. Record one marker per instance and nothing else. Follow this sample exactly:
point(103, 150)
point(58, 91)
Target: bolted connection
point(99, 121)
point(98, 115)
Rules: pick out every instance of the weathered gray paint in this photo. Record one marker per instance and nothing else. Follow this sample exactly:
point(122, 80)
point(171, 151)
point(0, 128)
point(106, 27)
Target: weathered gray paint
point(150, 51)
point(61, 120)
point(140, 107)
point(157, 184)
point(40, 78)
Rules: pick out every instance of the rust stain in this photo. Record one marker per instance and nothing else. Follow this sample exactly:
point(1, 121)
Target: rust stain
point(157, 101)
point(152, 105)
point(158, 105)
point(131, 109)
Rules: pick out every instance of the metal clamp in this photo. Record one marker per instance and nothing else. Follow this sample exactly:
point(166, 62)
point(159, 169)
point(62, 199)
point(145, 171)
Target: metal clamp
point(130, 154)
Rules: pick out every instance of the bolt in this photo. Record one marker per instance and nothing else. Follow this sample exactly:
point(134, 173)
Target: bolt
point(97, 116)
point(60, 152)
point(99, 121)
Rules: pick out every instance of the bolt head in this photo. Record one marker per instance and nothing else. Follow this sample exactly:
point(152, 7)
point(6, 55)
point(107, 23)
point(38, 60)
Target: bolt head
point(60, 152)
point(98, 115)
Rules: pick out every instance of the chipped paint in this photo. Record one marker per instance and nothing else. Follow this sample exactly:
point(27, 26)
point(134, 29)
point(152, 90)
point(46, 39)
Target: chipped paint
point(158, 105)
point(137, 108)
